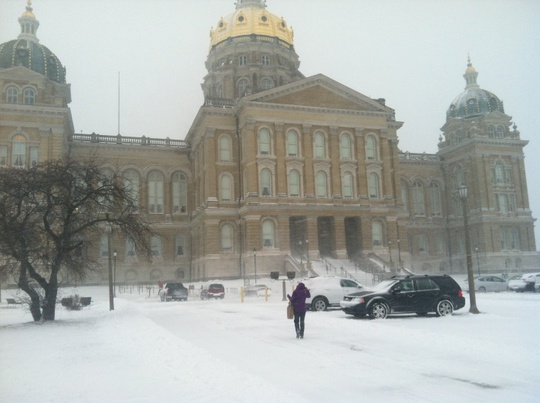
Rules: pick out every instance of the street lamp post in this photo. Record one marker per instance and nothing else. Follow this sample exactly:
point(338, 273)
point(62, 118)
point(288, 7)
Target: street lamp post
point(255, 264)
point(390, 252)
point(472, 294)
point(109, 245)
point(301, 252)
point(477, 260)
point(399, 253)
point(115, 253)
point(307, 251)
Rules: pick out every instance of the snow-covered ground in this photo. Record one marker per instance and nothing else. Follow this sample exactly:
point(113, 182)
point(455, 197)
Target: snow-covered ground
point(228, 351)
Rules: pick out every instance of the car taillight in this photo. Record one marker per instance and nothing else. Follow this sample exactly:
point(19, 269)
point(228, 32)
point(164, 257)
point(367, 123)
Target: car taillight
point(460, 293)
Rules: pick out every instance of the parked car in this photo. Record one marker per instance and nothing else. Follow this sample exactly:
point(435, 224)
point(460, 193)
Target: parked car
point(418, 294)
point(173, 292)
point(525, 282)
point(213, 291)
point(257, 290)
point(489, 284)
point(329, 291)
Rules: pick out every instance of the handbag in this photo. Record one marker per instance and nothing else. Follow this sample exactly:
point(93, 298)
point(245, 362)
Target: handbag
point(290, 311)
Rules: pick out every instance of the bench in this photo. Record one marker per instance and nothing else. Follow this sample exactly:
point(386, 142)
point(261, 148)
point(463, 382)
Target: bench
point(70, 304)
point(11, 301)
point(85, 301)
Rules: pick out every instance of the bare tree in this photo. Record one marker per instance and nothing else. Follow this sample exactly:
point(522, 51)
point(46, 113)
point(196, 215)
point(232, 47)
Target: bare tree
point(49, 214)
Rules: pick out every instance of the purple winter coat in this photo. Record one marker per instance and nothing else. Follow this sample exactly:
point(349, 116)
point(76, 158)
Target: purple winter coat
point(298, 298)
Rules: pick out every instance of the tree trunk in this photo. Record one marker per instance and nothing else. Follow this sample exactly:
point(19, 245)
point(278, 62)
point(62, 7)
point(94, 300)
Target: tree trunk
point(49, 306)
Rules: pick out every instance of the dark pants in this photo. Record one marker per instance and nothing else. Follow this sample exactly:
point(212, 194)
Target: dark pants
point(299, 323)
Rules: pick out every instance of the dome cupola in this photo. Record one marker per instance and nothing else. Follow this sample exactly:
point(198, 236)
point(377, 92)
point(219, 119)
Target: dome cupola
point(28, 52)
point(474, 101)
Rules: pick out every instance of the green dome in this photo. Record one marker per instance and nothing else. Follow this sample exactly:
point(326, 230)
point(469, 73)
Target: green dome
point(474, 101)
point(34, 56)
point(28, 52)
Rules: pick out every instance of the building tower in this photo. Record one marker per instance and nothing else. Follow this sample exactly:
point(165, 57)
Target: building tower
point(482, 149)
point(33, 83)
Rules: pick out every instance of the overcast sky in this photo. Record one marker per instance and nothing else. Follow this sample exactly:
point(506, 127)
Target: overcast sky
point(413, 53)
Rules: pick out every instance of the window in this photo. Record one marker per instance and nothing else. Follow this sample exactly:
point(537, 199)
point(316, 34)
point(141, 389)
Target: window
point(418, 199)
point(29, 96)
point(425, 284)
point(155, 246)
point(294, 183)
point(130, 247)
point(104, 246)
point(376, 233)
point(371, 148)
point(267, 83)
point(19, 151)
point(405, 196)
point(373, 185)
point(131, 182)
point(243, 87)
point(179, 192)
point(12, 95)
point(422, 243)
point(499, 173)
point(435, 198)
point(268, 231)
point(179, 245)
point(509, 238)
point(292, 143)
point(227, 238)
point(321, 184)
point(491, 132)
point(266, 182)
point(225, 191)
point(3, 156)
point(319, 145)
point(506, 203)
point(500, 132)
point(155, 193)
point(242, 60)
point(225, 148)
point(33, 157)
point(348, 185)
point(265, 60)
point(264, 142)
point(345, 147)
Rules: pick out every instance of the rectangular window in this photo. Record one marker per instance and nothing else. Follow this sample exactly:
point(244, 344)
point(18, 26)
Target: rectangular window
point(33, 156)
point(3, 156)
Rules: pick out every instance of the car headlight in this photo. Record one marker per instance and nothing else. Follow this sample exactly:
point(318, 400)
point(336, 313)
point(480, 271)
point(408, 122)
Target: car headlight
point(358, 300)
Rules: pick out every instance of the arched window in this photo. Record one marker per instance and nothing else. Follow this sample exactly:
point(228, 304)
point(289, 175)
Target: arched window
point(155, 193)
point(155, 246)
point(225, 148)
point(373, 185)
point(268, 234)
point(243, 87)
point(104, 246)
point(321, 184)
point(264, 142)
point(225, 188)
point(500, 132)
point(19, 151)
point(319, 145)
point(418, 199)
point(179, 245)
point(376, 233)
point(348, 185)
point(12, 95)
point(266, 182)
point(405, 196)
point(242, 60)
point(435, 198)
point(491, 132)
point(267, 83)
point(29, 96)
point(179, 192)
point(499, 173)
point(371, 148)
point(227, 238)
point(130, 247)
point(345, 147)
point(292, 143)
point(131, 182)
point(294, 183)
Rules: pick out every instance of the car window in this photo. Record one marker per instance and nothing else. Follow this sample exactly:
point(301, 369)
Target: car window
point(498, 280)
point(348, 283)
point(404, 285)
point(423, 284)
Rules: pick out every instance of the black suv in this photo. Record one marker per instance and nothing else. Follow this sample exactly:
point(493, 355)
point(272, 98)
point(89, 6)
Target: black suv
point(174, 292)
point(418, 294)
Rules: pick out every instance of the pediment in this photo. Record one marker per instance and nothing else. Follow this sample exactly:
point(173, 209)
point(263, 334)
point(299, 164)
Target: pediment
point(319, 92)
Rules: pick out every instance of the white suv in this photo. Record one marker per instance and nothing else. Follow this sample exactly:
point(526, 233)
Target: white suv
point(527, 282)
point(329, 291)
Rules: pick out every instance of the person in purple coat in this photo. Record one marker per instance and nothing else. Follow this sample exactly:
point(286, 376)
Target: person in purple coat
point(298, 300)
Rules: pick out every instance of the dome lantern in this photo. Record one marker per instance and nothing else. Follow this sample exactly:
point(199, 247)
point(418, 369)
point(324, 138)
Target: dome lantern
point(29, 24)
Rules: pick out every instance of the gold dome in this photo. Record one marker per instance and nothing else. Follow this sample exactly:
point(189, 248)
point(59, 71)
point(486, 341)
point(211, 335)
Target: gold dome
point(248, 21)
point(29, 11)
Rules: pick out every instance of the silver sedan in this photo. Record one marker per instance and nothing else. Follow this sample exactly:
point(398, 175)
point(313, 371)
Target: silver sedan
point(490, 284)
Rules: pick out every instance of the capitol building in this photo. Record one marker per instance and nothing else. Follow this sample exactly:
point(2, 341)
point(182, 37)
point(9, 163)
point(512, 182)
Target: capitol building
point(279, 170)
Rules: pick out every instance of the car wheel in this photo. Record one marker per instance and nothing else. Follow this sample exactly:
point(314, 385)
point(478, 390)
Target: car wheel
point(444, 308)
point(319, 304)
point(482, 289)
point(379, 310)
